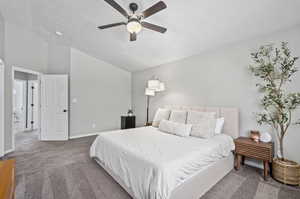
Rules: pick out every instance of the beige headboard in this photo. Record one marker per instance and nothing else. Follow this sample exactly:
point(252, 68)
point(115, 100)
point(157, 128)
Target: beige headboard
point(231, 115)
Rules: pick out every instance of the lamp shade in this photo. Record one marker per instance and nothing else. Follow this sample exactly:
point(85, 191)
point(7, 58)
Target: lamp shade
point(161, 87)
point(154, 84)
point(149, 92)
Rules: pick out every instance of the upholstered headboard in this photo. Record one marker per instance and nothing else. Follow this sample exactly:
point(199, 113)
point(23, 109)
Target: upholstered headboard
point(231, 115)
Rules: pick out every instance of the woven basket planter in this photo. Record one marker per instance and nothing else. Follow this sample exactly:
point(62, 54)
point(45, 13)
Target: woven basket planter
point(287, 172)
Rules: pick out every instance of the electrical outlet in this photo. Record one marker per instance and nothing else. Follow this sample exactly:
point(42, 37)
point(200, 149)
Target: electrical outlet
point(93, 126)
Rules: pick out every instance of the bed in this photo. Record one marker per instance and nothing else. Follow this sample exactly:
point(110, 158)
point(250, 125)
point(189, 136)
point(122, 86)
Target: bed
point(150, 164)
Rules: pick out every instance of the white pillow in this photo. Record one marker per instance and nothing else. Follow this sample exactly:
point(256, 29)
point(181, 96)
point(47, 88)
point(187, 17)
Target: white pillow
point(219, 125)
point(178, 116)
point(204, 123)
point(175, 128)
point(160, 114)
point(204, 129)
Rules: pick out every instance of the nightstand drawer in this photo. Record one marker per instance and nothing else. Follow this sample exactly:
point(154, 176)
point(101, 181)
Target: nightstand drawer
point(258, 150)
point(254, 151)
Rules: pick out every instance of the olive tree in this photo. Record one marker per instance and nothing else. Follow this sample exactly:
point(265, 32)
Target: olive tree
point(275, 67)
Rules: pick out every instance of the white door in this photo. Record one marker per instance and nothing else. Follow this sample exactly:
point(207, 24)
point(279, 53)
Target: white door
point(54, 107)
point(1, 108)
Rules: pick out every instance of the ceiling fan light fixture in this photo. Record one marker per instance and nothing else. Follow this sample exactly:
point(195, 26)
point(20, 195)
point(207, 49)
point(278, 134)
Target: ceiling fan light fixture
point(134, 26)
point(135, 22)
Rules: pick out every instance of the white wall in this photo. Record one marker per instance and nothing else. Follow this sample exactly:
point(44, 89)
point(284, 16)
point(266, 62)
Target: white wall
point(22, 48)
point(102, 91)
point(59, 57)
point(219, 77)
point(103, 107)
point(1, 108)
point(2, 32)
point(25, 48)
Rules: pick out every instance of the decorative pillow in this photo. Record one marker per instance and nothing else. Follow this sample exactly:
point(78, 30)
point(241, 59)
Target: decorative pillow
point(175, 128)
point(178, 116)
point(219, 125)
point(204, 129)
point(160, 114)
point(204, 123)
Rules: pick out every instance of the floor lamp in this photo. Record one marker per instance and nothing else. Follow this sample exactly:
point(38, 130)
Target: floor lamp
point(152, 87)
point(148, 92)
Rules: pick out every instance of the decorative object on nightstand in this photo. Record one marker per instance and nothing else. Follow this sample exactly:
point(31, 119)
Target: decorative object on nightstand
point(127, 122)
point(275, 67)
point(246, 147)
point(255, 136)
point(265, 137)
point(153, 85)
point(148, 124)
point(130, 112)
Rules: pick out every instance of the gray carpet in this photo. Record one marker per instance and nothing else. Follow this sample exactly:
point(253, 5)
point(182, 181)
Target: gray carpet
point(63, 170)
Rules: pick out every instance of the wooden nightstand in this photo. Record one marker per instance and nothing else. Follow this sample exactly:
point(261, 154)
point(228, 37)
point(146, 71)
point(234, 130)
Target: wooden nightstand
point(148, 124)
point(246, 147)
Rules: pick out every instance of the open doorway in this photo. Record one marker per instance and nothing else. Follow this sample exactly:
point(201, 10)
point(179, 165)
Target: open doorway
point(26, 107)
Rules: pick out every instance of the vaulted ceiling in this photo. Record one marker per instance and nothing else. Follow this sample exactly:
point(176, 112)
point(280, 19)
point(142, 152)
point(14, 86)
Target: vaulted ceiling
point(193, 26)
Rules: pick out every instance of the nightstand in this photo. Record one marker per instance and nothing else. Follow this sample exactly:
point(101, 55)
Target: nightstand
point(246, 147)
point(127, 122)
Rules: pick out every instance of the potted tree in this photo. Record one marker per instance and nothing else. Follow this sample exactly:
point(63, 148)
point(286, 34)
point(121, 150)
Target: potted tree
point(275, 67)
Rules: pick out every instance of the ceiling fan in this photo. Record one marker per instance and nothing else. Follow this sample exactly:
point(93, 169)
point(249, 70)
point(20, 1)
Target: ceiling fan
point(135, 22)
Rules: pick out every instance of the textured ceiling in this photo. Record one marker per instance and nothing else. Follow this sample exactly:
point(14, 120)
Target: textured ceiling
point(193, 26)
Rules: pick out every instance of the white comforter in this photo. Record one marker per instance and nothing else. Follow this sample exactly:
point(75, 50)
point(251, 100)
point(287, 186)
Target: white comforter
point(153, 163)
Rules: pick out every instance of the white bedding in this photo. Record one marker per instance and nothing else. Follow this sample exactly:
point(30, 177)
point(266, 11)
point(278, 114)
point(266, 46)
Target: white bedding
point(153, 163)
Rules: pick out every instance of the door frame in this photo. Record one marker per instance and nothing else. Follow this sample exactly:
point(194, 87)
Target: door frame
point(2, 93)
point(32, 72)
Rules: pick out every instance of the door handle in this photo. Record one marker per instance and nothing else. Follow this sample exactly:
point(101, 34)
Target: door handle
point(65, 110)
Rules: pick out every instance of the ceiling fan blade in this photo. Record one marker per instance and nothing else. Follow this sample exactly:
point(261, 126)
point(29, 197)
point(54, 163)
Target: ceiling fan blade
point(153, 27)
point(132, 36)
point(154, 9)
point(116, 6)
point(111, 25)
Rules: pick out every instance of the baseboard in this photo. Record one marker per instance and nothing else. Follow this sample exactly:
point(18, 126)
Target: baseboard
point(8, 151)
point(83, 135)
